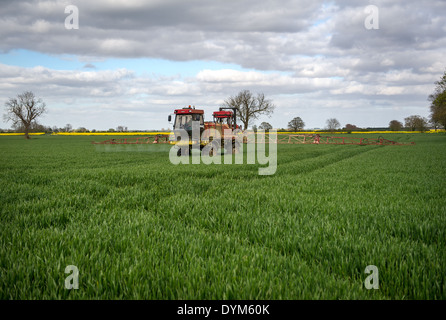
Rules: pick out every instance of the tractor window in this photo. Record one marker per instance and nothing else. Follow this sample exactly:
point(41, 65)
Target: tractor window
point(198, 117)
point(185, 121)
point(223, 121)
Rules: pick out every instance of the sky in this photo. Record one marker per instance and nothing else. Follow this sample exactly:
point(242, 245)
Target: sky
point(108, 63)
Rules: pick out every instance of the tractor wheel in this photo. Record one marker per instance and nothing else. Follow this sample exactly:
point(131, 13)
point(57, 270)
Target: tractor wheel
point(235, 147)
point(185, 154)
point(228, 148)
point(214, 148)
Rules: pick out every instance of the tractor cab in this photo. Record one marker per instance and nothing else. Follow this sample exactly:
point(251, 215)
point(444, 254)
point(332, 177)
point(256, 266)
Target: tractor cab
point(226, 119)
point(223, 118)
point(185, 116)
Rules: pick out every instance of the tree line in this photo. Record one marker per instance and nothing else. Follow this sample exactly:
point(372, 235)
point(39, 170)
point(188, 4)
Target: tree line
point(37, 127)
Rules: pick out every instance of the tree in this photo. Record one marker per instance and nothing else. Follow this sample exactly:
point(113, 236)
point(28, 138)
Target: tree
point(350, 127)
point(68, 127)
point(265, 126)
point(249, 107)
point(395, 125)
point(438, 110)
point(333, 124)
point(34, 127)
point(81, 129)
point(296, 124)
point(24, 110)
point(438, 103)
point(416, 123)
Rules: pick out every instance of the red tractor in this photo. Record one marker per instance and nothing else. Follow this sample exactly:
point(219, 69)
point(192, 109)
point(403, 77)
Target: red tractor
point(224, 120)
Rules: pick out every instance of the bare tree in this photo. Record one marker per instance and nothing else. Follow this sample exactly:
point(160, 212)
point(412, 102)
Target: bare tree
point(296, 124)
point(24, 110)
point(250, 107)
point(333, 124)
point(68, 127)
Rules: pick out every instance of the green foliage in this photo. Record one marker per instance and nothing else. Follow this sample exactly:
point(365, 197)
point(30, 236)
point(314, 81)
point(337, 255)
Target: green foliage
point(395, 125)
point(265, 126)
point(438, 102)
point(416, 122)
point(296, 124)
point(138, 227)
point(438, 109)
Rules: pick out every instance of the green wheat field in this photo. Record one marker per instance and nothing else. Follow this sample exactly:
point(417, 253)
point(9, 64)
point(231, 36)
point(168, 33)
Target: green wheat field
point(138, 227)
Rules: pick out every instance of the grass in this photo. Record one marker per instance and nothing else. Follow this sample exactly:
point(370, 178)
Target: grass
point(138, 227)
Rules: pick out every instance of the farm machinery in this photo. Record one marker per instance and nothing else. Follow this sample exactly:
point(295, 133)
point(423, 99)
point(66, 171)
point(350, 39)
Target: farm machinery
point(158, 138)
point(226, 118)
point(221, 131)
point(318, 139)
point(190, 129)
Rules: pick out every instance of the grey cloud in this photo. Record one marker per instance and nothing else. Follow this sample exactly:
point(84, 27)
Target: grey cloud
point(89, 66)
point(265, 35)
point(316, 49)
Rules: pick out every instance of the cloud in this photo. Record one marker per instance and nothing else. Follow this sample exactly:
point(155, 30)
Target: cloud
point(307, 55)
point(89, 66)
point(104, 98)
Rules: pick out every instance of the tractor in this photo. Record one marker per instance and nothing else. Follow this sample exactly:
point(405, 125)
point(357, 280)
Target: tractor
point(223, 120)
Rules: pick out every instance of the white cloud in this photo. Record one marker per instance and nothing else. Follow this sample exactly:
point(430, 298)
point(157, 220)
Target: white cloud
point(227, 75)
point(103, 99)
